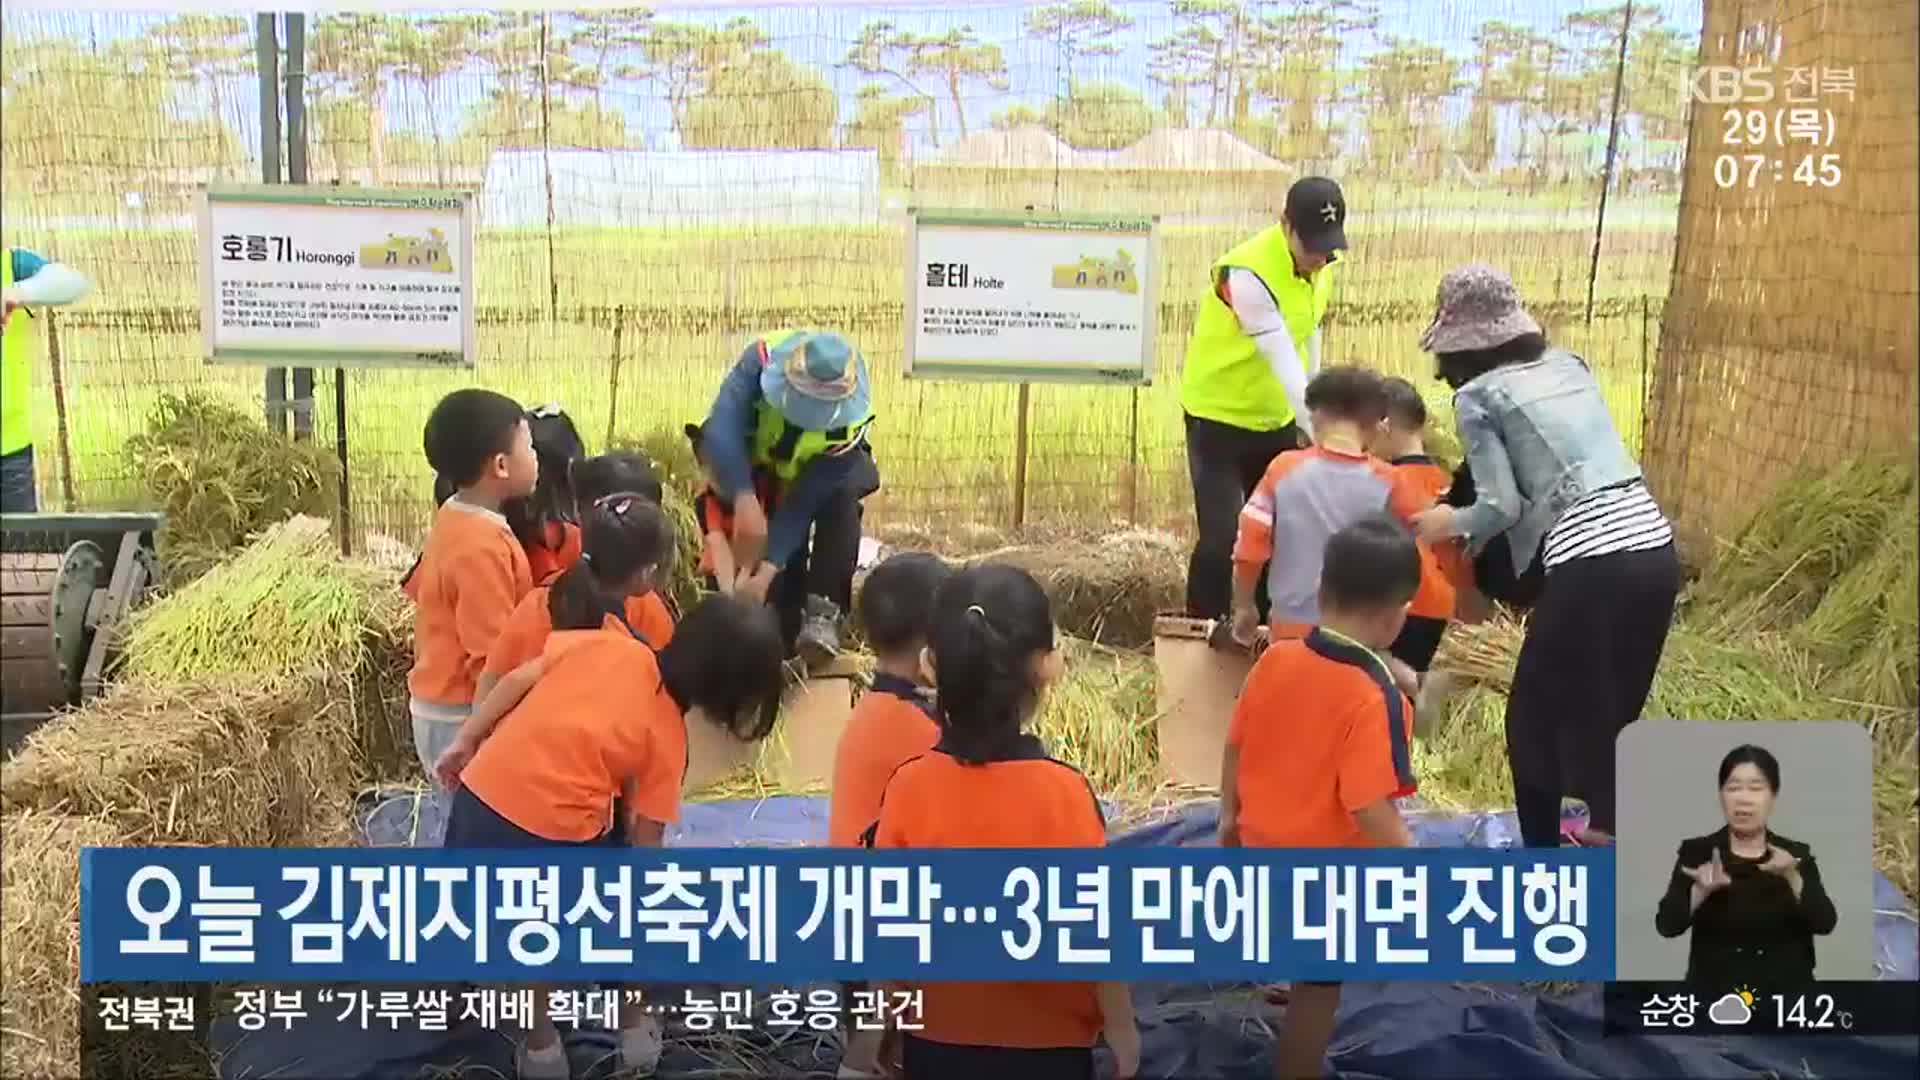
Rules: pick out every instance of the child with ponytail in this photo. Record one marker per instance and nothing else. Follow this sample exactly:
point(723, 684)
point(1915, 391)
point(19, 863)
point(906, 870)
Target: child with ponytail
point(992, 652)
point(525, 632)
point(598, 720)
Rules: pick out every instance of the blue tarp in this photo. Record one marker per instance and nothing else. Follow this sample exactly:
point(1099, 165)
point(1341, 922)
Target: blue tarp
point(1194, 1032)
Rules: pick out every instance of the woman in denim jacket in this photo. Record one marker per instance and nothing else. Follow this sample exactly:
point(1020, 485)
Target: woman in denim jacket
point(1553, 476)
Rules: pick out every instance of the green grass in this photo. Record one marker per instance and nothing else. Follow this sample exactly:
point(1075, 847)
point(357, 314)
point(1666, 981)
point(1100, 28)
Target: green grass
point(687, 299)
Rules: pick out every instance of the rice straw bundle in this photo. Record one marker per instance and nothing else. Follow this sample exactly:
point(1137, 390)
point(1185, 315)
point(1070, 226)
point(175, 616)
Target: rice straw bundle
point(286, 608)
point(1106, 590)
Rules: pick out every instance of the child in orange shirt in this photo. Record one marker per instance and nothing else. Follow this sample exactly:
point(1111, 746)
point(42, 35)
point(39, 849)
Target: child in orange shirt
point(548, 521)
point(526, 630)
point(1401, 442)
point(600, 718)
point(893, 724)
point(1308, 495)
point(988, 783)
point(1318, 748)
point(472, 571)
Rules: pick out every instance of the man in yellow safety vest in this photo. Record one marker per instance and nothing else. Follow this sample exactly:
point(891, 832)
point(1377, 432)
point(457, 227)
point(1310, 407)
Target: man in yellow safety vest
point(28, 283)
point(797, 406)
point(1255, 343)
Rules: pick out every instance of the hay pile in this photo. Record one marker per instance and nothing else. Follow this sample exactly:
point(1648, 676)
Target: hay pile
point(252, 706)
point(40, 922)
point(222, 477)
point(1808, 614)
point(1106, 590)
point(43, 1011)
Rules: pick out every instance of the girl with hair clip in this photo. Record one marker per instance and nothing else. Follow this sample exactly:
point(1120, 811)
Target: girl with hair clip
point(992, 652)
point(586, 744)
point(525, 633)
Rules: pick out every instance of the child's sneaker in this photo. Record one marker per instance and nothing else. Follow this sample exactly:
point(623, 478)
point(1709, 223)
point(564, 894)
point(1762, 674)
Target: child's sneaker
point(546, 1063)
point(640, 1047)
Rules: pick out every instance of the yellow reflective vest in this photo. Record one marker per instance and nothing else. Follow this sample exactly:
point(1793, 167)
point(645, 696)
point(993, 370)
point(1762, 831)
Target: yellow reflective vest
point(16, 370)
point(1227, 378)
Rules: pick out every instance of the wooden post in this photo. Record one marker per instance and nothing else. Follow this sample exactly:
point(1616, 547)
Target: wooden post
point(63, 444)
point(1020, 461)
point(613, 375)
point(340, 447)
point(1133, 458)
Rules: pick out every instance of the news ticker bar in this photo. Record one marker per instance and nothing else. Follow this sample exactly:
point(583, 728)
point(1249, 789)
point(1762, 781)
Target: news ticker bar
point(737, 916)
point(1630, 1009)
point(1850, 1008)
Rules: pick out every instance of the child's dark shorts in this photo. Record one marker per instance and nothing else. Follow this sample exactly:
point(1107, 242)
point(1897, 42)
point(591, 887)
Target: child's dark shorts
point(473, 824)
point(928, 1060)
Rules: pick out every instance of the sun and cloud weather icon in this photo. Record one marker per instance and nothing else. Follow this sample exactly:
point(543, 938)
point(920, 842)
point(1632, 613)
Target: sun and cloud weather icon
point(1732, 1009)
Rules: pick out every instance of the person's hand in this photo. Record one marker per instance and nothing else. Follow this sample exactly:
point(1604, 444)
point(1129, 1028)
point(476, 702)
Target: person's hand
point(453, 761)
point(1245, 627)
point(1404, 676)
point(1124, 1041)
point(1709, 877)
point(1434, 525)
point(749, 520)
point(11, 301)
point(753, 584)
point(1779, 862)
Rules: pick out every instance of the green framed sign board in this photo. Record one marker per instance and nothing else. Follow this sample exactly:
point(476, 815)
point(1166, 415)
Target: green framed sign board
point(1064, 298)
point(312, 276)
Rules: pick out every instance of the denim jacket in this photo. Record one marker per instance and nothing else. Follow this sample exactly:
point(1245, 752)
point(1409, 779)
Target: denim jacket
point(1538, 437)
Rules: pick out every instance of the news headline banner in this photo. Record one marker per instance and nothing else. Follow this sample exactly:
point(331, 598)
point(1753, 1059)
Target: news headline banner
point(745, 916)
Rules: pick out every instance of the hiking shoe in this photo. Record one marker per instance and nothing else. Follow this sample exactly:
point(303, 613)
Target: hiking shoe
point(819, 640)
point(640, 1047)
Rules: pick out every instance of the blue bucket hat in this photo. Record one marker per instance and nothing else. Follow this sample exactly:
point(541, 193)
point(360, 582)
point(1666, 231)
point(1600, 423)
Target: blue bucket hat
point(818, 381)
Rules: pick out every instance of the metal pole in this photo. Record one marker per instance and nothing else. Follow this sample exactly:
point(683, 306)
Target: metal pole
point(1613, 143)
point(296, 96)
point(266, 53)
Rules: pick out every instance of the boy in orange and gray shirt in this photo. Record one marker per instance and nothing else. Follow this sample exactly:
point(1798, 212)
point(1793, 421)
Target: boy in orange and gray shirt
point(473, 570)
point(1308, 495)
point(1320, 742)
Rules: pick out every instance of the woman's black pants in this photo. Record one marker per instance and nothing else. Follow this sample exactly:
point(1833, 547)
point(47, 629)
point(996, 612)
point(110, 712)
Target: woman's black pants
point(1593, 642)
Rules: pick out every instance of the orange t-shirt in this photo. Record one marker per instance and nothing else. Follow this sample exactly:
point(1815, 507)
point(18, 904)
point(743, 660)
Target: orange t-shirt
point(527, 629)
point(598, 715)
point(1435, 598)
point(1026, 801)
point(471, 574)
point(557, 555)
point(892, 725)
point(1322, 731)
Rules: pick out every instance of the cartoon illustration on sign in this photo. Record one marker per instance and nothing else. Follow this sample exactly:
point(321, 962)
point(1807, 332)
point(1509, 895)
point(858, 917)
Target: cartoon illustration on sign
point(409, 253)
point(1092, 272)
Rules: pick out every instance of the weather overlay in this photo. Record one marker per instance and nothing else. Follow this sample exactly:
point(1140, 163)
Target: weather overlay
point(1876, 1007)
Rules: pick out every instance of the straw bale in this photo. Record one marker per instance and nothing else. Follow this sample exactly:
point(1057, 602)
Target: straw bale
point(1194, 150)
point(1106, 590)
point(235, 764)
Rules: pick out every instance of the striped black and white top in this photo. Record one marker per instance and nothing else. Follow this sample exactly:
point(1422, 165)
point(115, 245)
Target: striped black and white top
point(1607, 522)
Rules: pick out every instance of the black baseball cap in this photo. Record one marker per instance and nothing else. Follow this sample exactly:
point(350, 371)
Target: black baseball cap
point(1318, 213)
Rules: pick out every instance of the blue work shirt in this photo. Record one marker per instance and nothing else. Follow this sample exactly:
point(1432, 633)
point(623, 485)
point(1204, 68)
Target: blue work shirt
point(725, 439)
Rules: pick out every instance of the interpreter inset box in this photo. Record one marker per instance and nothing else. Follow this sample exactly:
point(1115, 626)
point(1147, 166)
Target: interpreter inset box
point(1745, 854)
